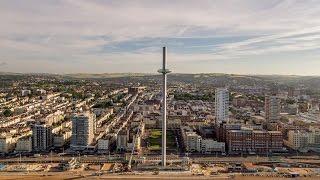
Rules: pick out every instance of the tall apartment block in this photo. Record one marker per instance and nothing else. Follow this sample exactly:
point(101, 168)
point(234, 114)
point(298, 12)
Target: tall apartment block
point(272, 109)
point(82, 130)
point(122, 140)
point(41, 137)
point(221, 105)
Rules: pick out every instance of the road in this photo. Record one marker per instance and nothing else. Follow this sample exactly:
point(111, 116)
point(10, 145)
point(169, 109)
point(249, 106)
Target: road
point(156, 158)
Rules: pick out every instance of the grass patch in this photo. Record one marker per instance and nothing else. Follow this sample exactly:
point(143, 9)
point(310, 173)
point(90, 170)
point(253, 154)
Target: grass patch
point(155, 140)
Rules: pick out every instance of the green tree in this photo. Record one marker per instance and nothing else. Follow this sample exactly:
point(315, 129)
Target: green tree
point(7, 113)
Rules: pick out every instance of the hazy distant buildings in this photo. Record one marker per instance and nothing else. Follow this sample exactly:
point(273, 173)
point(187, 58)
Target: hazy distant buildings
point(221, 105)
point(82, 130)
point(291, 92)
point(25, 92)
point(135, 90)
point(41, 137)
point(272, 109)
point(292, 109)
point(294, 92)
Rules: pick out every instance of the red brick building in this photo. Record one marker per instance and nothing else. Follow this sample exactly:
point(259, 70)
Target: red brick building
point(248, 141)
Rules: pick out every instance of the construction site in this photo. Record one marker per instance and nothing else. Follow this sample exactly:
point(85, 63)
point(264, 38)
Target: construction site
point(72, 167)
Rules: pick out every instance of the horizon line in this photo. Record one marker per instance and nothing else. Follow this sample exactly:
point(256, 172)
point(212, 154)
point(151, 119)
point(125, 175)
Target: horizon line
point(151, 73)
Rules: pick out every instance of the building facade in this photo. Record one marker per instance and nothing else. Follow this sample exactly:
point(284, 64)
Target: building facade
point(122, 140)
point(300, 139)
point(221, 105)
point(209, 146)
point(60, 139)
point(41, 137)
point(103, 144)
point(194, 143)
point(82, 130)
point(6, 144)
point(272, 109)
point(248, 141)
point(24, 144)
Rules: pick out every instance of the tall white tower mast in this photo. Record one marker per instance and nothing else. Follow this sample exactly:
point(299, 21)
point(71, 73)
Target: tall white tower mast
point(164, 73)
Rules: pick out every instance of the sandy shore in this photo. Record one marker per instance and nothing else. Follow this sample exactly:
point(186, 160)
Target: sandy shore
point(70, 176)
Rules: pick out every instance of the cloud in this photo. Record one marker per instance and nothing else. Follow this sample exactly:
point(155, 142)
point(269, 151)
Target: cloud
point(306, 39)
point(76, 33)
point(3, 63)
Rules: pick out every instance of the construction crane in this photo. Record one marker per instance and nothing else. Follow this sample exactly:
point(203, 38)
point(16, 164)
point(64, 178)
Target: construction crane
point(134, 144)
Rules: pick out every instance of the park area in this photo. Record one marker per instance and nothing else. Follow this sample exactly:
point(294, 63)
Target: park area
point(154, 140)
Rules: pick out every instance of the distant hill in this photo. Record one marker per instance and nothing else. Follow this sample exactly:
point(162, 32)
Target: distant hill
point(9, 73)
point(220, 79)
point(104, 75)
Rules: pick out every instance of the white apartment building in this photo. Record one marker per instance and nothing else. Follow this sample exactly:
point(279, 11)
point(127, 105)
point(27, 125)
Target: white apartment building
point(193, 142)
point(25, 92)
point(54, 117)
point(272, 109)
point(24, 144)
point(303, 139)
point(221, 105)
point(122, 140)
point(135, 143)
point(60, 139)
point(209, 146)
point(103, 144)
point(82, 130)
point(6, 144)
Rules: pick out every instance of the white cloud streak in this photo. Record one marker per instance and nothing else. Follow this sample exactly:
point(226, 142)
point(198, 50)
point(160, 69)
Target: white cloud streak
point(75, 32)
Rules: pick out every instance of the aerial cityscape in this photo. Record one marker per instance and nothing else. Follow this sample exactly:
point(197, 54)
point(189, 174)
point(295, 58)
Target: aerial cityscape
point(139, 90)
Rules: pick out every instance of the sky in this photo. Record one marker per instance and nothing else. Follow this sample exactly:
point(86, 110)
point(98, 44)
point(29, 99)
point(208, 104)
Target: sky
point(202, 36)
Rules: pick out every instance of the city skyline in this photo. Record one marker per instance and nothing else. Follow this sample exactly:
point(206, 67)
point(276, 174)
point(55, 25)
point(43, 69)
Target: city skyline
point(237, 94)
point(239, 37)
